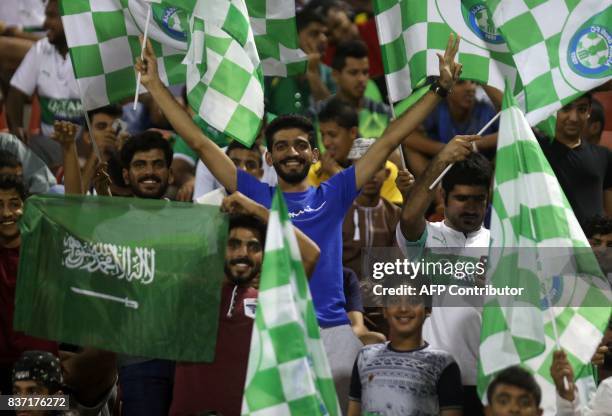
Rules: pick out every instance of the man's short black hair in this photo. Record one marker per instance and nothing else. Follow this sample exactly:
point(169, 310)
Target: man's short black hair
point(13, 182)
point(597, 114)
point(341, 112)
point(517, 377)
point(143, 142)
point(307, 16)
point(349, 49)
point(290, 121)
point(475, 170)
point(235, 144)
point(250, 222)
point(9, 160)
point(598, 224)
point(113, 110)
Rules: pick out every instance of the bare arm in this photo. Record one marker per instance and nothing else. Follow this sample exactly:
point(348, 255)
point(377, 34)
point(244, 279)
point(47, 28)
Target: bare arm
point(354, 408)
point(400, 128)
point(213, 157)
point(64, 133)
point(239, 204)
point(419, 141)
point(412, 220)
point(14, 111)
point(488, 142)
point(495, 95)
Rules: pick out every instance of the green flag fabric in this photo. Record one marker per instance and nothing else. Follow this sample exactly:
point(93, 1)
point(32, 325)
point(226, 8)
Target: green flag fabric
point(561, 49)
point(410, 33)
point(123, 274)
point(537, 244)
point(288, 372)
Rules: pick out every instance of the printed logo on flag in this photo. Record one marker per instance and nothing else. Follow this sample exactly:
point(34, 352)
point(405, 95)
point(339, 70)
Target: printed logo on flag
point(480, 22)
point(590, 51)
point(171, 20)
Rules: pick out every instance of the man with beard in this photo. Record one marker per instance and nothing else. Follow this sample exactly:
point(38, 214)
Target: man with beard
point(219, 386)
point(47, 71)
point(465, 192)
point(318, 212)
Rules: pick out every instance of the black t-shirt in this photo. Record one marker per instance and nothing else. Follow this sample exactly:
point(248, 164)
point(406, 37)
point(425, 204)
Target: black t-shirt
point(584, 172)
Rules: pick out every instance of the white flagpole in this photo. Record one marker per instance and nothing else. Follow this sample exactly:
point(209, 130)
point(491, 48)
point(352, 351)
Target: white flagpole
point(445, 171)
point(144, 45)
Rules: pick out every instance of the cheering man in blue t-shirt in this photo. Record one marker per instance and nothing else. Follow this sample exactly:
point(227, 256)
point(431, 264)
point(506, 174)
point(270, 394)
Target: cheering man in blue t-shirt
point(318, 212)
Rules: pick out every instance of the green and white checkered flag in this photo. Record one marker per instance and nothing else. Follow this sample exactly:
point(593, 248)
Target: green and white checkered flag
point(410, 33)
point(561, 48)
point(537, 244)
point(103, 39)
point(273, 23)
point(288, 372)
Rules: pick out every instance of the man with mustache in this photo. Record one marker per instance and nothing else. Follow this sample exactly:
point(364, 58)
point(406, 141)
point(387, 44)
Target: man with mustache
point(219, 386)
point(318, 212)
point(465, 192)
point(584, 170)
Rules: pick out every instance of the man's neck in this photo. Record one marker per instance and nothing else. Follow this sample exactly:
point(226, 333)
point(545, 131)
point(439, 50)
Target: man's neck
point(459, 114)
point(10, 243)
point(570, 142)
point(293, 187)
point(407, 343)
point(356, 102)
point(368, 200)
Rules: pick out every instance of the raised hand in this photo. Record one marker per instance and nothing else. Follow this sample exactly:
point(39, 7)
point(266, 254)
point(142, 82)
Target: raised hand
point(240, 204)
point(458, 149)
point(102, 180)
point(560, 369)
point(404, 182)
point(64, 132)
point(449, 69)
point(149, 76)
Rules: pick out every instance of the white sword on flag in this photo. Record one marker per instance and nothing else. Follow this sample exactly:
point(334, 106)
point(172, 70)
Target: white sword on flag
point(128, 303)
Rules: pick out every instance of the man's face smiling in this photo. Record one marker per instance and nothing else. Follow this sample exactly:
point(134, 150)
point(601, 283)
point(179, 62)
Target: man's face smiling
point(291, 155)
point(243, 255)
point(11, 210)
point(148, 174)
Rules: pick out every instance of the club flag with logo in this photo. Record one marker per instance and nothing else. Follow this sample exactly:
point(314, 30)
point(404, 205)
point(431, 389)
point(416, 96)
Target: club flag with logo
point(561, 49)
point(538, 245)
point(103, 41)
point(288, 372)
point(127, 275)
point(410, 33)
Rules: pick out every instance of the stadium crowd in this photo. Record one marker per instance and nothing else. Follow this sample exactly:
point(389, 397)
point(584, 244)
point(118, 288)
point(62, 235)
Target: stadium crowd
point(402, 358)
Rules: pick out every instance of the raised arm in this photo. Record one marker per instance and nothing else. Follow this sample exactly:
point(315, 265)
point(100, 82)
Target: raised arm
point(237, 203)
point(400, 128)
point(64, 133)
point(412, 220)
point(213, 157)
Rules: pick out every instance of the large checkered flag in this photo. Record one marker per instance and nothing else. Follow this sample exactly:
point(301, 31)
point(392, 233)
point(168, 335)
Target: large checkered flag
point(410, 33)
point(288, 372)
point(538, 245)
point(561, 48)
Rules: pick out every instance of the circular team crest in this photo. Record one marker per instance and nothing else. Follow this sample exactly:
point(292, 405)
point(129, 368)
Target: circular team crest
point(590, 51)
point(479, 21)
point(171, 20)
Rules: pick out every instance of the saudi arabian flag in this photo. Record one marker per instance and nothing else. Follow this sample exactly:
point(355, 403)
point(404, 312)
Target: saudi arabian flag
point(561, 48)
point(127, 275)
point(410, 33)
point(537, 244)
point(288, 372)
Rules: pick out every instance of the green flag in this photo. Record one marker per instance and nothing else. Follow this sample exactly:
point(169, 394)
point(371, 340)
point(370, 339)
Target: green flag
point(537, 244)
point(288, 371)
point(561, 49)
point(130, 275)
point(410, 33)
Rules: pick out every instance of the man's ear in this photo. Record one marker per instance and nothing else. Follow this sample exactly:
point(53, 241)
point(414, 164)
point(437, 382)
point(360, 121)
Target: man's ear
point(86, 137)
point(126, 176)
point(268, 157)
point(315, 155)
point(354, 132)
point(387, 173)
point(335, 74)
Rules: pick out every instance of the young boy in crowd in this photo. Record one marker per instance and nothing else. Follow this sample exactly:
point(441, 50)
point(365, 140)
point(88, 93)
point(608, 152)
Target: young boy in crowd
point(405, 376)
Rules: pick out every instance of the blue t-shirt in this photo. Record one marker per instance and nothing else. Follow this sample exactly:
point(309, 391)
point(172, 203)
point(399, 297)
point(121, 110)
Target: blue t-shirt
point(318, 213)
point(440, 126)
